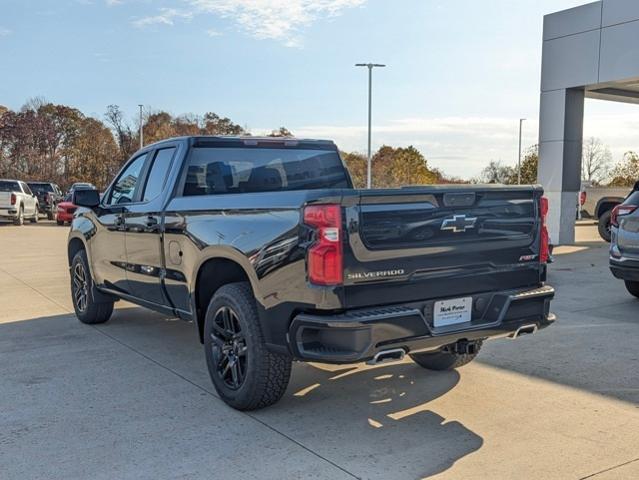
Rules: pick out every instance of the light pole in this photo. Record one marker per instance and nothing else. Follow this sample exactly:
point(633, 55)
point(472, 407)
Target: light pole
point(521, 120)
point(370, 66)
point(141, 137)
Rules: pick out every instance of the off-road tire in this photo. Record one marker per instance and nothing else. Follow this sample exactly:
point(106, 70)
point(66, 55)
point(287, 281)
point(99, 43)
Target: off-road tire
point(19, 220)
point(266, 374)
point(443, 360)
point(91, 312)
point(604, 226)
point(632, 287)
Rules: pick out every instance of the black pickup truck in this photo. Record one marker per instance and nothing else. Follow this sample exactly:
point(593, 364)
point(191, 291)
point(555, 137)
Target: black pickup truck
point(266, 246)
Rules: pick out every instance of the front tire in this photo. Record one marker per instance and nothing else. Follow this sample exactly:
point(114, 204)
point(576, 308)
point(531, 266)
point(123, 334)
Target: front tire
point(60, 222)
point(245, 374)
point(443, 360)
point(82, 288)
point(604, 226)
point(632, 287)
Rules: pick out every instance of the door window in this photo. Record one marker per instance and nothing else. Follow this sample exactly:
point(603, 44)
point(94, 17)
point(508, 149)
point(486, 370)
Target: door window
point(158, 173)
point(26, 189)
point(123, 189)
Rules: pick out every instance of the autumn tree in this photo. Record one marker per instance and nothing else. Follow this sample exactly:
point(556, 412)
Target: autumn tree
point(356, 163)
point(280, 132)
point(530, 166)
point(397, 167)
point(497, 172)
point(626, 172)
point(595, 161)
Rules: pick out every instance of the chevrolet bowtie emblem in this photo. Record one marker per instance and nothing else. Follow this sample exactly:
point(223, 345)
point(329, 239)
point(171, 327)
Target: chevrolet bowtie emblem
point(459, 223)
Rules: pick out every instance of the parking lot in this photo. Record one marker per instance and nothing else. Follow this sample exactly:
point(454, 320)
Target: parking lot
point(132, 398)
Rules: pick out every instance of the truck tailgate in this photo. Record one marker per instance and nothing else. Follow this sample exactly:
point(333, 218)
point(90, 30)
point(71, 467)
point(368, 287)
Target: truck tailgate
point(5, 200)
point(432, 242)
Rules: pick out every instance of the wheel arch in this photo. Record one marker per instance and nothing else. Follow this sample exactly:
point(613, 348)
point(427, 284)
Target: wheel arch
point(212, 273)
point(606, 203)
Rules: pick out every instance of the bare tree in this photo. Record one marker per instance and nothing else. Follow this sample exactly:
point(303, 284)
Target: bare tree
point(595, 161)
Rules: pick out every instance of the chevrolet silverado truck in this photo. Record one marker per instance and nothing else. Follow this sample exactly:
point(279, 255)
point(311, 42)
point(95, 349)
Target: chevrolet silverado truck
point(17, 202)
point(268, 249)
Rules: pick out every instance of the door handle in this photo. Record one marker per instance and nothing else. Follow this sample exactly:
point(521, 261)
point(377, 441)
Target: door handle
point(119, 221)
point(151, 221)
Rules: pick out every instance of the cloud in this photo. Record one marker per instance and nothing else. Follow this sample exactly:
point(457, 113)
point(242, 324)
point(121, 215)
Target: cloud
point(113, 3)
point(4, 32)
point(213, 33)
point(166, 16)
point(279, 20)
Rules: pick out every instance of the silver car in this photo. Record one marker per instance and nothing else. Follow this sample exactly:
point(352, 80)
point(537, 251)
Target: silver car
point(624, 244)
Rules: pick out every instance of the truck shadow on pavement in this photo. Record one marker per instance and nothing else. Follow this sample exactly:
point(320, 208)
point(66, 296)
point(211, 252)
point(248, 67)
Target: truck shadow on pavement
point(373, 420)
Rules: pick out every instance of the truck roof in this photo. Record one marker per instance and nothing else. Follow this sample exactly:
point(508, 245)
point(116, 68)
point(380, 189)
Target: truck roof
point(247, 140)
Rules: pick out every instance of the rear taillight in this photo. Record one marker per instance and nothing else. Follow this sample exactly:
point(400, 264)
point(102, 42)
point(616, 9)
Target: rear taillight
point(582, 198)
point(620, 211)
point(325, 257)
point(544, 244)
point(13, 199)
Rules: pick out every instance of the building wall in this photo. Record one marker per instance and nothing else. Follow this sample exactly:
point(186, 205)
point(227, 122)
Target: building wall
point(584, 48)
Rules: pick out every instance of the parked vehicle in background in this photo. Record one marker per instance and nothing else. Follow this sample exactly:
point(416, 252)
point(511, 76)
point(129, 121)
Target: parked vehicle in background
point(597, 203)
point(265, 245)
point(49, 195)
point(624, 245)
point(17, 202)
point(81, 186)
point(65, 210)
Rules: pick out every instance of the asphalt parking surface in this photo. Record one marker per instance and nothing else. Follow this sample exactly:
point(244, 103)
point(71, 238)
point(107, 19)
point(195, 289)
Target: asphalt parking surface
point(132, 398)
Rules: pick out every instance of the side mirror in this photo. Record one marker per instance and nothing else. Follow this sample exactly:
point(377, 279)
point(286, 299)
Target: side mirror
point(86, 198)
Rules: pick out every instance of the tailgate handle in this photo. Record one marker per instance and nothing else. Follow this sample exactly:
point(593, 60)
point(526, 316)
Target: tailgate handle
point(465, 199)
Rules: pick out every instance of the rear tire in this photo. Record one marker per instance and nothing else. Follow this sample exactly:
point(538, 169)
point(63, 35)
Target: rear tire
point(604, 226)
point(19, 220)
point(443, 360)
point(50, 216)
point(245, 374)
point(82, 293)
point(60, 222)
point(632, 287)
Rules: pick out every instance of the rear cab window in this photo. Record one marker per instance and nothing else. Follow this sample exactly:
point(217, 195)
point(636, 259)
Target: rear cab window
point(9, 186)
point(213, 170)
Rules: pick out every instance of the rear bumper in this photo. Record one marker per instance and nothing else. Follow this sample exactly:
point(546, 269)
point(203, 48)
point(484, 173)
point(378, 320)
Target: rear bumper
point(357, 335)
point(8, 212)
point(625, 269)
point(64, 216)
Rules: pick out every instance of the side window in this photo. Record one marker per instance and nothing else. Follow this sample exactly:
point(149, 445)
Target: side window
point(158, 173)
point(124, 188)
point(26, 189)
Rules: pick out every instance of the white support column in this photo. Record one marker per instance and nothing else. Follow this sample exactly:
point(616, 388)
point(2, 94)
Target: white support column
point(560, 144)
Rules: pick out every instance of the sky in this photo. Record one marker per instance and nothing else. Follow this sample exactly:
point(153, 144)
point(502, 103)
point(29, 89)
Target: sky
point(459, 74)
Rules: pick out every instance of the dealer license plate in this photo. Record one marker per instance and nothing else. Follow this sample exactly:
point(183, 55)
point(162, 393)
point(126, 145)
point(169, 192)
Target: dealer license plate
point(453, 311)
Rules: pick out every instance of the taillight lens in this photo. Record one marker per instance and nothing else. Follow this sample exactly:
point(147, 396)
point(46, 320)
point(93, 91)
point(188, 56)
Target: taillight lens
point(620, 211)
point(325, 257)
point(13, 199)
point(544, 244)
point(582, 198)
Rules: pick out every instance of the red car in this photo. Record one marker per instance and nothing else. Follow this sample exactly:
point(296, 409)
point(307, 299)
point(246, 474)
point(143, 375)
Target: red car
point(65, 211)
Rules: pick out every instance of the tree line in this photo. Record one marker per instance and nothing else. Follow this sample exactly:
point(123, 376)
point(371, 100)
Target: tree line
point(597, 167)
point(47, 142)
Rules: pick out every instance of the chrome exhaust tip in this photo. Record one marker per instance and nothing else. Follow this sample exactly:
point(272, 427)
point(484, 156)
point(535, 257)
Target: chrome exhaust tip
point(524, 330)
point(392, 355)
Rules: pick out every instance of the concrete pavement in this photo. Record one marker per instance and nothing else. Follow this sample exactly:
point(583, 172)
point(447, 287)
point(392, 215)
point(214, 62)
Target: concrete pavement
point(132, 398)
